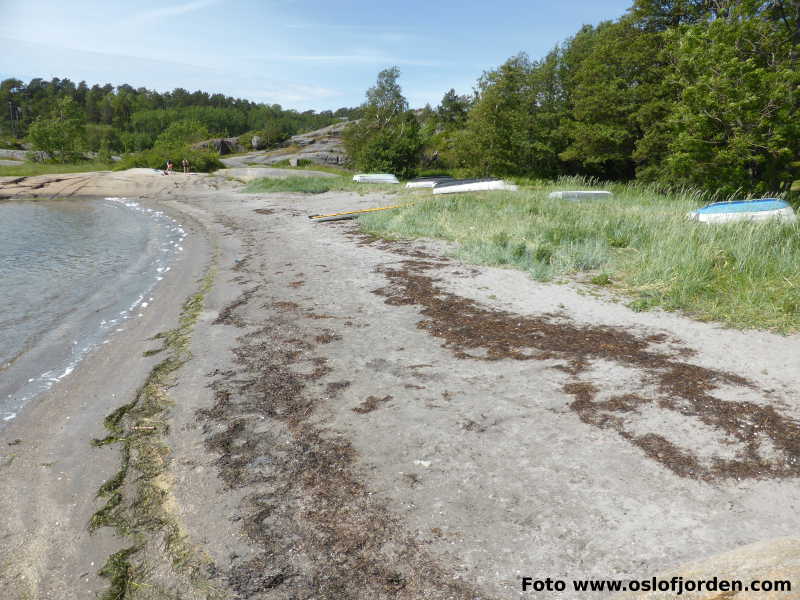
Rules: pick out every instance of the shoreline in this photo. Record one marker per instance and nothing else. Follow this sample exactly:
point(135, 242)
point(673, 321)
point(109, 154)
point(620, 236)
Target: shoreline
point(47, 448)
point(97, 316)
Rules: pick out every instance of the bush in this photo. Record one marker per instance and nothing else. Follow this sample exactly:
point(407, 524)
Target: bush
point(62, 135)
point(199, 160)
point(389, 150)
point(180, 134)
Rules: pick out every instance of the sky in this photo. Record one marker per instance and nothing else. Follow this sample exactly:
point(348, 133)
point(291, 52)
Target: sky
point(304, 54)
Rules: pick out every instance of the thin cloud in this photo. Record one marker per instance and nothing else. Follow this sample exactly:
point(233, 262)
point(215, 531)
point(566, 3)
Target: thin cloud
point(173, 11)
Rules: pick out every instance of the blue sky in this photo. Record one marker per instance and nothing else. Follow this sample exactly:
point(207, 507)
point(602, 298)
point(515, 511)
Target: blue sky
point(301, 54)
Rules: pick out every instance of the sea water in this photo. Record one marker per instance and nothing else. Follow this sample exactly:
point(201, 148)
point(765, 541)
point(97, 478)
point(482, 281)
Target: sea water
point(72, 273)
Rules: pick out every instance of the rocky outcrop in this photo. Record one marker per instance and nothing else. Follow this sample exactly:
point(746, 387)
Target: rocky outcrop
point(222, 146)
point(322, 147)
point(765, 561)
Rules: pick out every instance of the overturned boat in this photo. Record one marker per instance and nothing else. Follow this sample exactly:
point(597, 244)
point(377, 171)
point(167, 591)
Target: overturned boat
point(375, 178)
point(579, 195)
point(457, 186)
point(428, 182)
point(760, 209)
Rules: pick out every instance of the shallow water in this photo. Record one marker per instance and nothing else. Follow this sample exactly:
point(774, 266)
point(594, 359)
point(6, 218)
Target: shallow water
point(71, 273)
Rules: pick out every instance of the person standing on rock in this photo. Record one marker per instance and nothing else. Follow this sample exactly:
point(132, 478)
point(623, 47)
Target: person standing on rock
point(185, 164)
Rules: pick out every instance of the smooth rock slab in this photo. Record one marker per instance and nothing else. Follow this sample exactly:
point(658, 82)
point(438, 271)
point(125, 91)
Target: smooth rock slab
point(770, 560)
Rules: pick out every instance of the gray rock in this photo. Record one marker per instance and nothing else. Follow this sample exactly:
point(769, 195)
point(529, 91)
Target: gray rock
point(221, 145)
point(322, 147)
point(13, 154)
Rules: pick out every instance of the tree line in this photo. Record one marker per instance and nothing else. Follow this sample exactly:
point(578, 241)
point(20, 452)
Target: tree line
point(75, 118)
point(702, 93)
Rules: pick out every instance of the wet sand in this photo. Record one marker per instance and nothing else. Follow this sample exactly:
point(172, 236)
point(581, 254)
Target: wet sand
point(370, 419)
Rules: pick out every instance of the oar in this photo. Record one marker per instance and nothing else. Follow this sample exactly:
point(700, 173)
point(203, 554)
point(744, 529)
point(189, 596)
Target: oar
point(352, 214)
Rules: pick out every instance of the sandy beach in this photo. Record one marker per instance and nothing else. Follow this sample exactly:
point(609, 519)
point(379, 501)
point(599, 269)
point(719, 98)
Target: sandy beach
point(360, 418)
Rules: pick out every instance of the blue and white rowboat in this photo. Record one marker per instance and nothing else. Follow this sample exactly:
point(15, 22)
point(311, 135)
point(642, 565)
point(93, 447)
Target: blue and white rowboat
point(761, 209)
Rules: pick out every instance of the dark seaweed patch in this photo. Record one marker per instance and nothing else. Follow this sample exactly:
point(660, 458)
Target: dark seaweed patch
point(472, 331)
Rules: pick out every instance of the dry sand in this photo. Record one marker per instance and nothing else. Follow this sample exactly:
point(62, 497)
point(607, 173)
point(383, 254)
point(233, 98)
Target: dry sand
point(364, 419)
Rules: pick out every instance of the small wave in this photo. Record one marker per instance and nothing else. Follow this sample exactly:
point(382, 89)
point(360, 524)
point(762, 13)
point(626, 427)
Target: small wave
point(88, 327)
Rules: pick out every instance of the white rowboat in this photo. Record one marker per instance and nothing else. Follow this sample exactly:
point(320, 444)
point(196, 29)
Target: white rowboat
point(427, 182)
point(458, 186)
point(375, 178)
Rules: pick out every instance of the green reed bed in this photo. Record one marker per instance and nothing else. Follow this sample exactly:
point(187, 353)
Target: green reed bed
point(315, 185)
point(744, 274)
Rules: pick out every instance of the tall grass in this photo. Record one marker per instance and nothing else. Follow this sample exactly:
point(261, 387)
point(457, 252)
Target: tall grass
point(315, 185)
point(306, 185)
point(304, 164)
point(741, 274)
point(26, 169)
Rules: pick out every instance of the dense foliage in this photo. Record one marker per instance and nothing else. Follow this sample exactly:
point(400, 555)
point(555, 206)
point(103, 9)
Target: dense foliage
point(683, 92)
point(67, 119)
point(386, 138)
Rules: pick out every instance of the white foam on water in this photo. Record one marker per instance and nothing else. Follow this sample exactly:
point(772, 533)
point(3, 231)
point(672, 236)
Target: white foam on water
point(136, 302)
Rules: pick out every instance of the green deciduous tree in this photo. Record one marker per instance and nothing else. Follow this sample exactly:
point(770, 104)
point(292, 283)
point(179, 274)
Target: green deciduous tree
point(735, 124)
point(62, 134)
point(453, 110)
point(387, 137)
point(514, 126)
point(617, 94)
